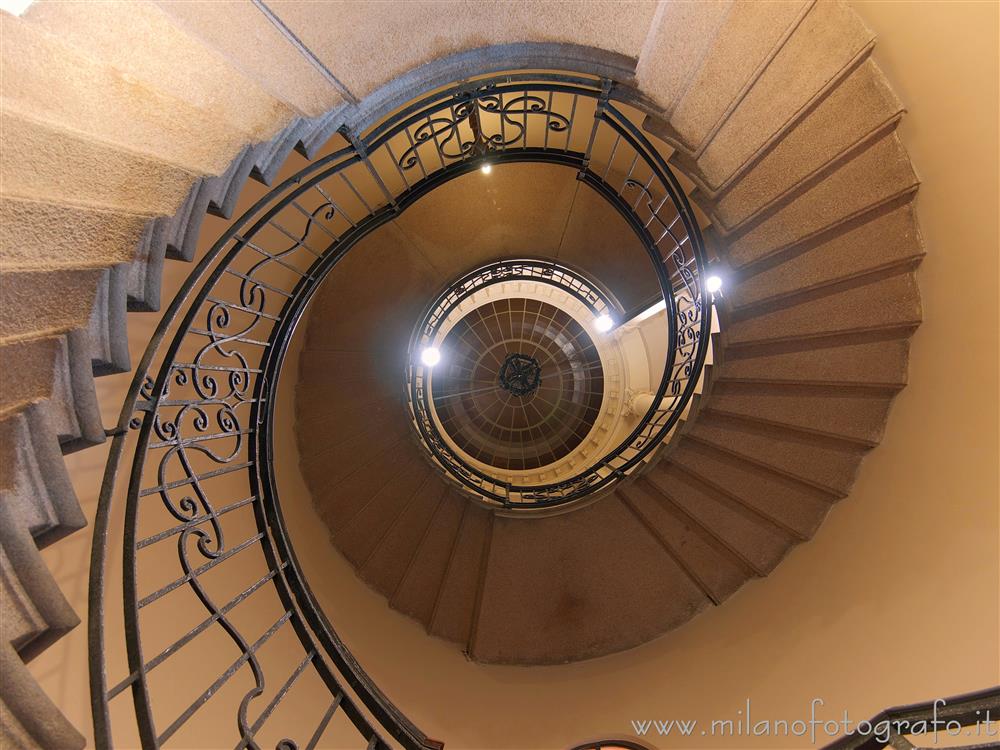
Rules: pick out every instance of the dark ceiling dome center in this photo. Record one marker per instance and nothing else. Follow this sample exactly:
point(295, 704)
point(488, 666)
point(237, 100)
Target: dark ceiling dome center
point(520, 374)
point(521, 384)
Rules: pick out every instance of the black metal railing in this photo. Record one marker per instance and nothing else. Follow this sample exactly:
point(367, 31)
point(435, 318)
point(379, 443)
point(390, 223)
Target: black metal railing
point(973, 717)
point(216, 617)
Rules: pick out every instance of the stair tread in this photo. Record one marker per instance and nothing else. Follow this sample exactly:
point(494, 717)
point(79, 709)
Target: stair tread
point(859, 107)
point(385, 567)
point(880, 364)
point(342, 490)
point(418, 589)
point(852, 415)
point(798, 507)
point(758, 541)
point(872, 178)
point(807, 458)
point(749, 37)
point(365, 529)
point(830, 39)
point(454, 609)
point(880, 304)
point(578, 585)
point(887, 240)
point(716, 570)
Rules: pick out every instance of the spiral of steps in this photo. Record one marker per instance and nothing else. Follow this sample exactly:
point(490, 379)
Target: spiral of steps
point(115, 151)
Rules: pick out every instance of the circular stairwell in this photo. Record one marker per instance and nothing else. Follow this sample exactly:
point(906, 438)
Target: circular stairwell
point(791, 144)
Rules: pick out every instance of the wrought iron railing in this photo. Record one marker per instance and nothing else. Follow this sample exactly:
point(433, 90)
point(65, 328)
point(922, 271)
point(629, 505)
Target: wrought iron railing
point(647, 194)
point(219, 634)
point(972, 717)
point(429, 332)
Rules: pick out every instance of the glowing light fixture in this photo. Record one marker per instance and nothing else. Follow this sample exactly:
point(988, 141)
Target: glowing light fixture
point(713, 284)
point(15, 7)
point(603, 323)
point(430, 356)
point(486, 168)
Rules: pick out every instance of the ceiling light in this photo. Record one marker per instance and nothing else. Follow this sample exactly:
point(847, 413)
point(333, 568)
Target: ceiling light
point(603, 323)
point(713, 284)
point(430, 356)
point(15, 7)
point(486, 168)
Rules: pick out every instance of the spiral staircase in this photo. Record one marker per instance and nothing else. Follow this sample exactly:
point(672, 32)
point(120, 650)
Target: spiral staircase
point(775, 114)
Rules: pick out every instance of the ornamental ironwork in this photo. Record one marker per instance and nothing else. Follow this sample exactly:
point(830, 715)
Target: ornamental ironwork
point(520, 375)
point(189, 486)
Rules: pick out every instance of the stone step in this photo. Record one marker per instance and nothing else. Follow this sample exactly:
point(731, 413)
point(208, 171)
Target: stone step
point(796, 507)
point(716, 570)
point(166, 58)
point(820, 462)
point(48, 302)
point(821, 49)
point(274, 64)
point(343, 417)
point(362, 533)
point(759, 540)
point(560, 588)
point(107, 330)
point(884, 306)
point(385, 567)
point(100, 101)
point(75, 413)
point(852, 414)
point(37, 507)
point(872, 179)
point(418, 589)
point(344, 491)
point(51, 163)
point(457, 600)
point(880, 364)
point(884, 241)
point(859, 109)
point(37, 234)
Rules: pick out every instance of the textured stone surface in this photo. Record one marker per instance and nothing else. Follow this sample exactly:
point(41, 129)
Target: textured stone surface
point(458, 597)
point(95, 99)
point(418, 589)
point(553, 582)
point(37, 235)
point(795, 506)
point(710, 564)
point(165, 58)
point(861, 106)
point(26, 366)
point(414, 33)
point(828, 465)
point(754, 536)
point(830, 39)
point(385, 567)
point(879, 364)
point(49, 163)
point(241, 33)
point(677, 44)
point(884, 241)
point(747, 39)
point(877, 175)
point(889, 304)
point(36, 304)
point(852, 415)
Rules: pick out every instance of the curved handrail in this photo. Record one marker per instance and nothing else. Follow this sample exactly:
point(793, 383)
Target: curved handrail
point(198, 415)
